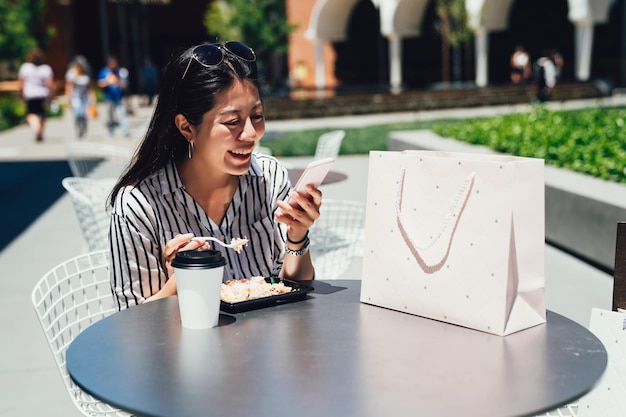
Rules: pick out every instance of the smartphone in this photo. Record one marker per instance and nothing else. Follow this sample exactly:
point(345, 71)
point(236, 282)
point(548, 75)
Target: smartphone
point(314, 173)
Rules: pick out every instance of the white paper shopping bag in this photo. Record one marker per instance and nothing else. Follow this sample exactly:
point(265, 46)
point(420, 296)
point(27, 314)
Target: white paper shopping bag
point(456, 237)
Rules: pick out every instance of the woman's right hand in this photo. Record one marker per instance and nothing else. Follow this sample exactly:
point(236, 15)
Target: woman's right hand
point(181, 243)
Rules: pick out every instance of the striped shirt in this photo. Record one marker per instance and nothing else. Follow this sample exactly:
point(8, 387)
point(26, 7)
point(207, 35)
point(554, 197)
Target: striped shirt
point(149, 214)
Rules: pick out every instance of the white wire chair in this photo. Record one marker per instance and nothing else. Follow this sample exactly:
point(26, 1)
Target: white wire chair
point(328, 144)
point(337, 237)
point(89, 196)
point(97, 160)
point(68, 299)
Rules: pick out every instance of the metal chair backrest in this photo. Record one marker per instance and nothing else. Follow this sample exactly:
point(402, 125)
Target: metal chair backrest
point(97, 160)
point(619, 273)
point(337, 237)
point(89, 197)
point(328, 144)
point(67, 299)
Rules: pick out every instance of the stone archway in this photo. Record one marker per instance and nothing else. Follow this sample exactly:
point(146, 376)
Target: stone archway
point(400, 19)
point(362, 55)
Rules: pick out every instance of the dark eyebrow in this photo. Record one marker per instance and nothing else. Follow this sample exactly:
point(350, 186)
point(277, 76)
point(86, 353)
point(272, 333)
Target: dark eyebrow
point(229, 112)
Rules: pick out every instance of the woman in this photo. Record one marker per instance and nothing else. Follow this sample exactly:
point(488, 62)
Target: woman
point(194, 174)
point(77, 89)
point(35, 80)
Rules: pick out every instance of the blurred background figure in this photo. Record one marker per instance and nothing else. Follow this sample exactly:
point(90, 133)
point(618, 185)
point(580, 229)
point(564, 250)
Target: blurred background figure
point(113, 80)
point(79, 93)
point(149, 81)
point(557, 58)
point(545, 76)
point(521, 70)
point(82, 60)
point(36, 88)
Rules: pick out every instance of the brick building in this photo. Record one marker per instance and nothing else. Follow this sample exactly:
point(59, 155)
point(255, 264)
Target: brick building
point(358, 44)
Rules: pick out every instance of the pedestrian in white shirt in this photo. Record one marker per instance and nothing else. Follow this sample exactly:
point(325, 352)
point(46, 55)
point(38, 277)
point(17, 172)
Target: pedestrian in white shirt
point(35, 79)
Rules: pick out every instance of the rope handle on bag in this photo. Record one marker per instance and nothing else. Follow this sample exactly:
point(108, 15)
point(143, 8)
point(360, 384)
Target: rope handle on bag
point(454, 213)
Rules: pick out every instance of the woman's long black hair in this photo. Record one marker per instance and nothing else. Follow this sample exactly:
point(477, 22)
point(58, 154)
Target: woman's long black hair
point(191, 96)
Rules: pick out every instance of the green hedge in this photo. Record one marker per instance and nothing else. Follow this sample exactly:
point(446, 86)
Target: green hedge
point(13, 112)
point(590, 141)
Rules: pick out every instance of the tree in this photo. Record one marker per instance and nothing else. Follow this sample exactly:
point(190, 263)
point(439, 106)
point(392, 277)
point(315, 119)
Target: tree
point(262, 24)
point(454, 32)
point(22, 28)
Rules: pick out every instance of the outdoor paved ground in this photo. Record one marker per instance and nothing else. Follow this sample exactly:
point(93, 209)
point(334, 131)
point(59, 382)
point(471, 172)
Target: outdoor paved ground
point(30, 384)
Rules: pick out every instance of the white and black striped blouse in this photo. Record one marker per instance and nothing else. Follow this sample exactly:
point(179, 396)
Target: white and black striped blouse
point(146, 216)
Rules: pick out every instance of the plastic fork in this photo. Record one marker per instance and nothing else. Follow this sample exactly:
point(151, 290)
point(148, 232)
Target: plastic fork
point(235, 244)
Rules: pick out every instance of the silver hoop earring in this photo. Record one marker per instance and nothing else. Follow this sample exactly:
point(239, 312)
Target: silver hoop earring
point(190, 151)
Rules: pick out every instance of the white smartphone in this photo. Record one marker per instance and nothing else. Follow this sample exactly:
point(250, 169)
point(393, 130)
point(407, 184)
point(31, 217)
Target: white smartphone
point(314, 173)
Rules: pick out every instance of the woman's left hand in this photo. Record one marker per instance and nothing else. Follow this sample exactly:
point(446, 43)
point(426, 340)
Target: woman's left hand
point(300, 215)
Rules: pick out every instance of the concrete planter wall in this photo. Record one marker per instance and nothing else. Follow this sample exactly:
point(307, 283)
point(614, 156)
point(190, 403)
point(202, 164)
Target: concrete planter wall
point(581, 211)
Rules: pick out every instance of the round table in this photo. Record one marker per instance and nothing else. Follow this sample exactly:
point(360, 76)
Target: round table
point(330, 355)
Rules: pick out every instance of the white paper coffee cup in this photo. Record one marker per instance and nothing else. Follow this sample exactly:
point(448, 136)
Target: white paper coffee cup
point(199, 275)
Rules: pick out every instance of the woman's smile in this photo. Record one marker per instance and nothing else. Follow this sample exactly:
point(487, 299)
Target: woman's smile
point(241, 154)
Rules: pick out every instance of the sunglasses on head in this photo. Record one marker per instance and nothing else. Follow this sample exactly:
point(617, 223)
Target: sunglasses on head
point(210, 54)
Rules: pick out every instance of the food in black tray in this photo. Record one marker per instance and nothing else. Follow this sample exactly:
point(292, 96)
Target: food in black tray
point(258, 292)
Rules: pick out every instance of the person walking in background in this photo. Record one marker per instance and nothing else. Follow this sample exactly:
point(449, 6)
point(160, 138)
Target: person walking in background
point(35, 80)
point(521, 70)
point(113, 81)
point(78, 92)
point(545, 72)
point(149, 81)
point(557, 58)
